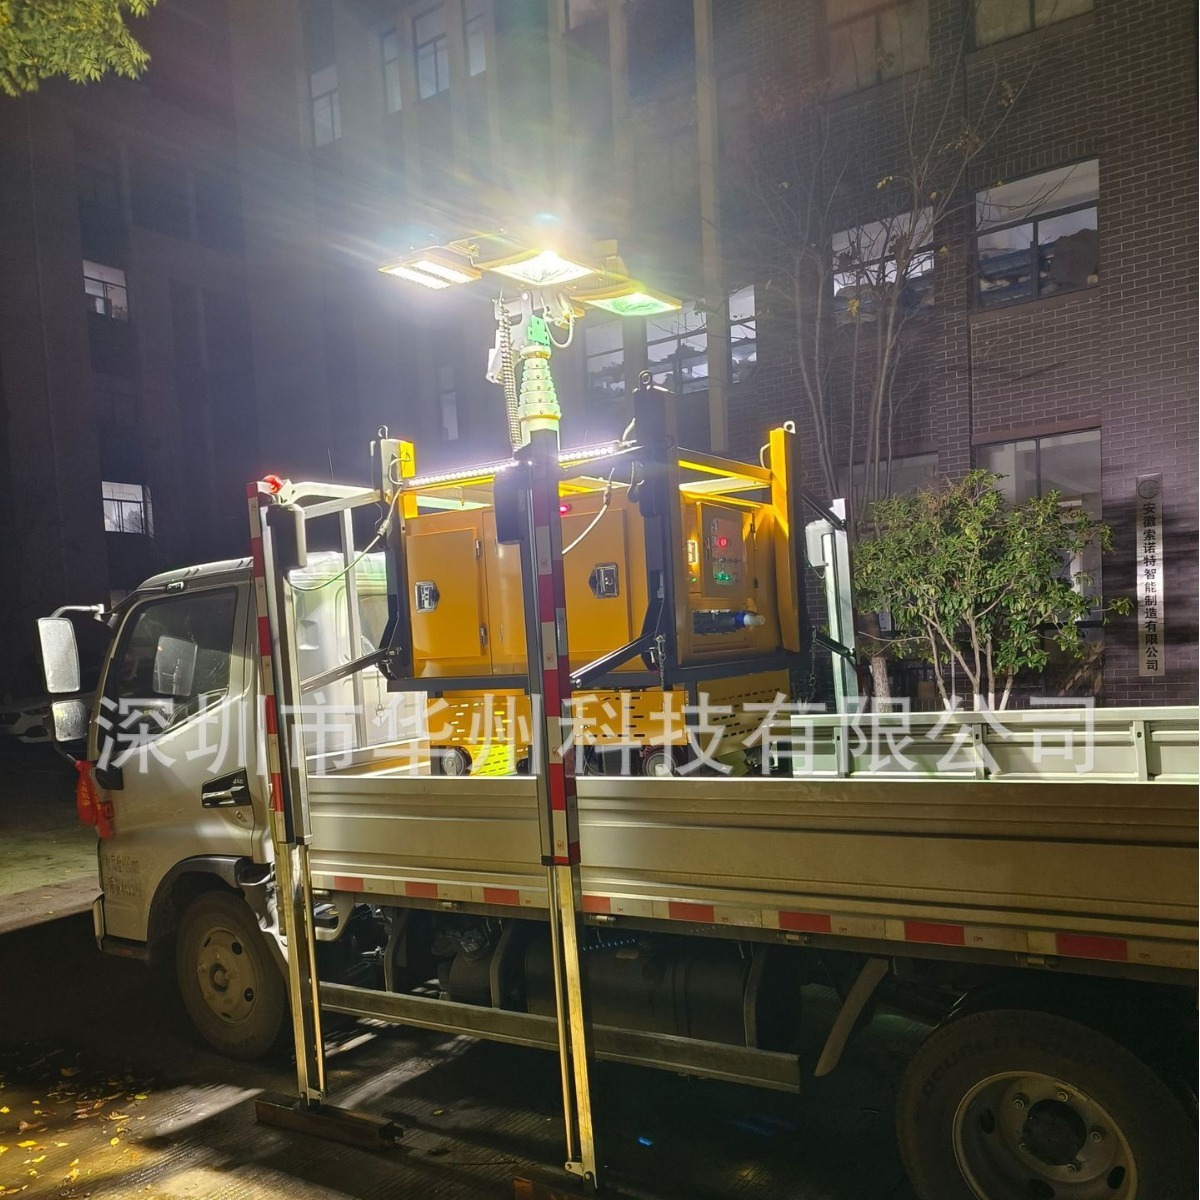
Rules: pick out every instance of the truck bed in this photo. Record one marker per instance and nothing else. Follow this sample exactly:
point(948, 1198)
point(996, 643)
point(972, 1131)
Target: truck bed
point(1056, 836)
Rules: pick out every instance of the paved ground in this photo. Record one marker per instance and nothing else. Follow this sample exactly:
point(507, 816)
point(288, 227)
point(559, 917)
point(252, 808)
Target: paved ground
point(104, 1091)
point(47, 859)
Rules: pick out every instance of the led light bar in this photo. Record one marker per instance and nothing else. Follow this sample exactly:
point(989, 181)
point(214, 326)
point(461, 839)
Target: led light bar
point(587, 452)
point(452, 274)
point(442, 478)
point(402, 271)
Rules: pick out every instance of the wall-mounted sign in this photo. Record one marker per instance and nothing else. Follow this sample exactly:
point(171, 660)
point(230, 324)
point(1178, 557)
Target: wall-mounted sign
point(1150, 616)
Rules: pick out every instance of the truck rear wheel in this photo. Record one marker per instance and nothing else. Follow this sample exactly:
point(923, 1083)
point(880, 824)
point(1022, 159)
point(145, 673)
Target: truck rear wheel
point(1020, 1105)
point(231, 987)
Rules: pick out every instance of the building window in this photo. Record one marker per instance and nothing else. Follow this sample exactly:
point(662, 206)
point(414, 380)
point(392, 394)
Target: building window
point(104, 288)
point(884, 259)
point(476, 46)
point(433, 52)
point(127, 508)
point(996, 20)
point(389, 47)
point(677, 349)
point(1038, 236)
point(677, 344)
point(604, 358)
point(902, 476)
point(743, 335)
point(447, 399)
point(1066, 463)
point(326, 110)
point(870, 41)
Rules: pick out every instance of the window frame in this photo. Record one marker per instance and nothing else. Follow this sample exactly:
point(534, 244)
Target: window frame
point(475, 36)
point(592, 329)
point(441, 53)
point(748, 323)
point(874, 12)
point(1033, 220)
point(871, 269)
point(392, 87)
point(671, 368)
point(672, 374)
point(113, 685)
point(330, 95)
point(109, 308)
point(1032, 27)
point(126, 505)
point(1096, 586)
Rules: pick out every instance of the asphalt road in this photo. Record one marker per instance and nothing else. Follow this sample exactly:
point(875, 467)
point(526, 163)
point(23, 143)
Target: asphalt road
point(106, 1092)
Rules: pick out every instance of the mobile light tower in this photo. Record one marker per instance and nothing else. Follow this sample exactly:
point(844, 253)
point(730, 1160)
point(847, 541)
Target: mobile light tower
point(527, 512)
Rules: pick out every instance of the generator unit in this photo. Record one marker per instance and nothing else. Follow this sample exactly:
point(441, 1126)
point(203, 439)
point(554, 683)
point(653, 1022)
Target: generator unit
point(683, 601)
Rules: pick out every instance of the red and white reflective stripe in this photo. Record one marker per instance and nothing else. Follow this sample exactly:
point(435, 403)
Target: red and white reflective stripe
point(1146, 952)
point(556, 691)
point(1093, 947)
point(270, 712)
point(426, 889)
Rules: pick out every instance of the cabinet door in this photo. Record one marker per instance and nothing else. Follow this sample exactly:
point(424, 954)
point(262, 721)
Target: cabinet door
point(445, 575)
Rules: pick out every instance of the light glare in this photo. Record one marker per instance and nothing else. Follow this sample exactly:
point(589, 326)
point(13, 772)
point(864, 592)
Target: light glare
point(544, 269)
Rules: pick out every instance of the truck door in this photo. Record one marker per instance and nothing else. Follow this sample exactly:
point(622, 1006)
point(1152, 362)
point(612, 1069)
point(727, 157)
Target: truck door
point(174, 745)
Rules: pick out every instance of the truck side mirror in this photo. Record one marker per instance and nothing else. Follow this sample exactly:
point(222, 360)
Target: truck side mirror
point(174, 666)
point(60, 655)
point(69, 720)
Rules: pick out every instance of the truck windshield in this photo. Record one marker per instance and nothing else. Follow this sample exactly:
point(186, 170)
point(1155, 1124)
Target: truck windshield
point(174, 657)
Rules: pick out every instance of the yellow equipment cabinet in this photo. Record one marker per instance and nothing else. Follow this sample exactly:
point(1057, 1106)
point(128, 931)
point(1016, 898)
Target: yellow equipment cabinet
point(672, 608)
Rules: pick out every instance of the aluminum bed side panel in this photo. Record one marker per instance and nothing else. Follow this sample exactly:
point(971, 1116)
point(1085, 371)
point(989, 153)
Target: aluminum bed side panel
point(1109, 859)
point(469, 832)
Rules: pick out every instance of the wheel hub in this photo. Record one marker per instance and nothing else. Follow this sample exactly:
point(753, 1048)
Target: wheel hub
point(1029, 1135)
point(1054, 1133)
point(228, 980)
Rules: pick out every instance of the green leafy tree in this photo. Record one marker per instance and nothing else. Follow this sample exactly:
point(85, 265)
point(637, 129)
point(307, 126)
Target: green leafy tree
point(81, 39)
point(971, 580)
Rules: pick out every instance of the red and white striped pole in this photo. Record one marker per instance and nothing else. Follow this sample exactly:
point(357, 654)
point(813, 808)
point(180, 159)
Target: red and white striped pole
point(550, 695)
point(288, 788)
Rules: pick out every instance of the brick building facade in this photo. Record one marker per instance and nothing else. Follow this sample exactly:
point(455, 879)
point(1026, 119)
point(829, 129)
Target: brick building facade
point(357, 129)
point(1104, 374)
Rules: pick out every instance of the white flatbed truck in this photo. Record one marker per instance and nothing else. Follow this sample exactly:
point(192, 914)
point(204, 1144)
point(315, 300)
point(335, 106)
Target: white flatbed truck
point(1030, 877)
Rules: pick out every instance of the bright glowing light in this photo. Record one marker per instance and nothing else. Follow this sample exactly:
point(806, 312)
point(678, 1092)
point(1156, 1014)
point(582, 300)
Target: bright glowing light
point(636, 304)
point(445, 271)
point(543, 270)
point(413, 276)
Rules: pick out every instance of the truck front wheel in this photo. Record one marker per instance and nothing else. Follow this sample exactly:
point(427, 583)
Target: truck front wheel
point(231, 987)
point(1019, 1105)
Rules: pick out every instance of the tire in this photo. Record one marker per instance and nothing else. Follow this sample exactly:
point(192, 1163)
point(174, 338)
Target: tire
point(232, 988)
point(452, 761)
point(1021, 1105)
point(659, 761)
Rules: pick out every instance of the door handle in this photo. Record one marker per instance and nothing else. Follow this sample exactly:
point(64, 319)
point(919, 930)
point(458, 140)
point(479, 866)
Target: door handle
point(230, 791)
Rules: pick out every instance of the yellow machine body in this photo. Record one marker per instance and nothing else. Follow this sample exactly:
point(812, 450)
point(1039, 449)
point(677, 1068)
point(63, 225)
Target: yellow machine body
point(731, 553)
